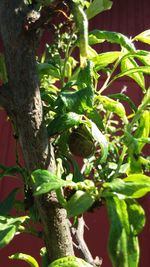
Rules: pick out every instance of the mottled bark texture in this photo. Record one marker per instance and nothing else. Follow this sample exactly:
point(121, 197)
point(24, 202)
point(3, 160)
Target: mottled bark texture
point(21, 99)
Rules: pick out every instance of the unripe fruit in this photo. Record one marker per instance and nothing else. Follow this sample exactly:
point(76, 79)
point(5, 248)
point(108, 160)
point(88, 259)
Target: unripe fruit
point(81, 143)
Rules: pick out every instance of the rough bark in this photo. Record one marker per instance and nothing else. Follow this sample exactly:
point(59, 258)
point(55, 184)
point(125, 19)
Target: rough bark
point(24, 107)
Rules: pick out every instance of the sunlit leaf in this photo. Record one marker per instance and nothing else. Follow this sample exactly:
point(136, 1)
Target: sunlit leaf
point(70, 261)
point(112, 106)
point(124, 97)
point(8, 228)
point(136, 215)
point(141, 184)
point(97, 36)
point(130, 63)
point(25, 257)
point(98, 6)
point(144, 69)
point(143, 37)
point(123, 244)
point(134, 186)
point(45, 181)
point(143, 130)
point(44, 256)
point(104, 59)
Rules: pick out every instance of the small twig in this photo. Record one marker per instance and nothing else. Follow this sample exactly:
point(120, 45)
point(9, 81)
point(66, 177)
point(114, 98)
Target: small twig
point(79, 235)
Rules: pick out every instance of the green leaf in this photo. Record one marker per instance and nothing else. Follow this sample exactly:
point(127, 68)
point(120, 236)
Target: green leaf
point(143, 37)
point(77, 176)
point(44, 256)
point(96, 118)
point(25, 257)
point(97, 36)
point(45, 181)
point(70, 261)
point(112, 106)
point(130, 63)
point(100, 138)
point(79, 203)
point(77, 102)
point(6, 235)
point(98, 6)
point(143, 130)
point(8, 228)
point(85, 77)
point(140, 182)
point(63, 122)
point(136, 215)
point(144, 69)
point(8, 203)
point(10, 171)
point(104, 59)
point(123, 245)
point(124, 97)
point(134, 186)
point(49, 69)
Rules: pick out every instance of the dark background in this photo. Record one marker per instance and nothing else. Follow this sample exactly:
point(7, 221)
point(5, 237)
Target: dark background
point(129, 18)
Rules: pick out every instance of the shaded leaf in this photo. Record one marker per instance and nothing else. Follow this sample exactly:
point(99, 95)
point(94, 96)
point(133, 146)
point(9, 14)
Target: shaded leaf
point(63, 122)
point(79, 203)
point(6, 235)
point(96, 118)
point(10, 171)
point(49, 69)
point(8, 203)
point(77, 102)
point(85, 78)
point(100, 138)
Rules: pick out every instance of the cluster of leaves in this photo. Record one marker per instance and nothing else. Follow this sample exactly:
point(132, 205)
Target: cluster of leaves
point(84, 120)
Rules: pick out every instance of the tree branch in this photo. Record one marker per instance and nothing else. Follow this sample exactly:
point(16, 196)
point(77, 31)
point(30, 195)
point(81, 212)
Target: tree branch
point(26, 112)
point(79, 235)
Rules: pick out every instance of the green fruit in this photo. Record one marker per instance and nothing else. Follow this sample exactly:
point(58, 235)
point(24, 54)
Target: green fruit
point(70, 261)
point(81, 143)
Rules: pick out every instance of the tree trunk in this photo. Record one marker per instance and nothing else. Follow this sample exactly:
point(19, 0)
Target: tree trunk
point(24, 107)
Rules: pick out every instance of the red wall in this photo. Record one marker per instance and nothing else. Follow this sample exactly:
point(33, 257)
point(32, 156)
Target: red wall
point(128, 17)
